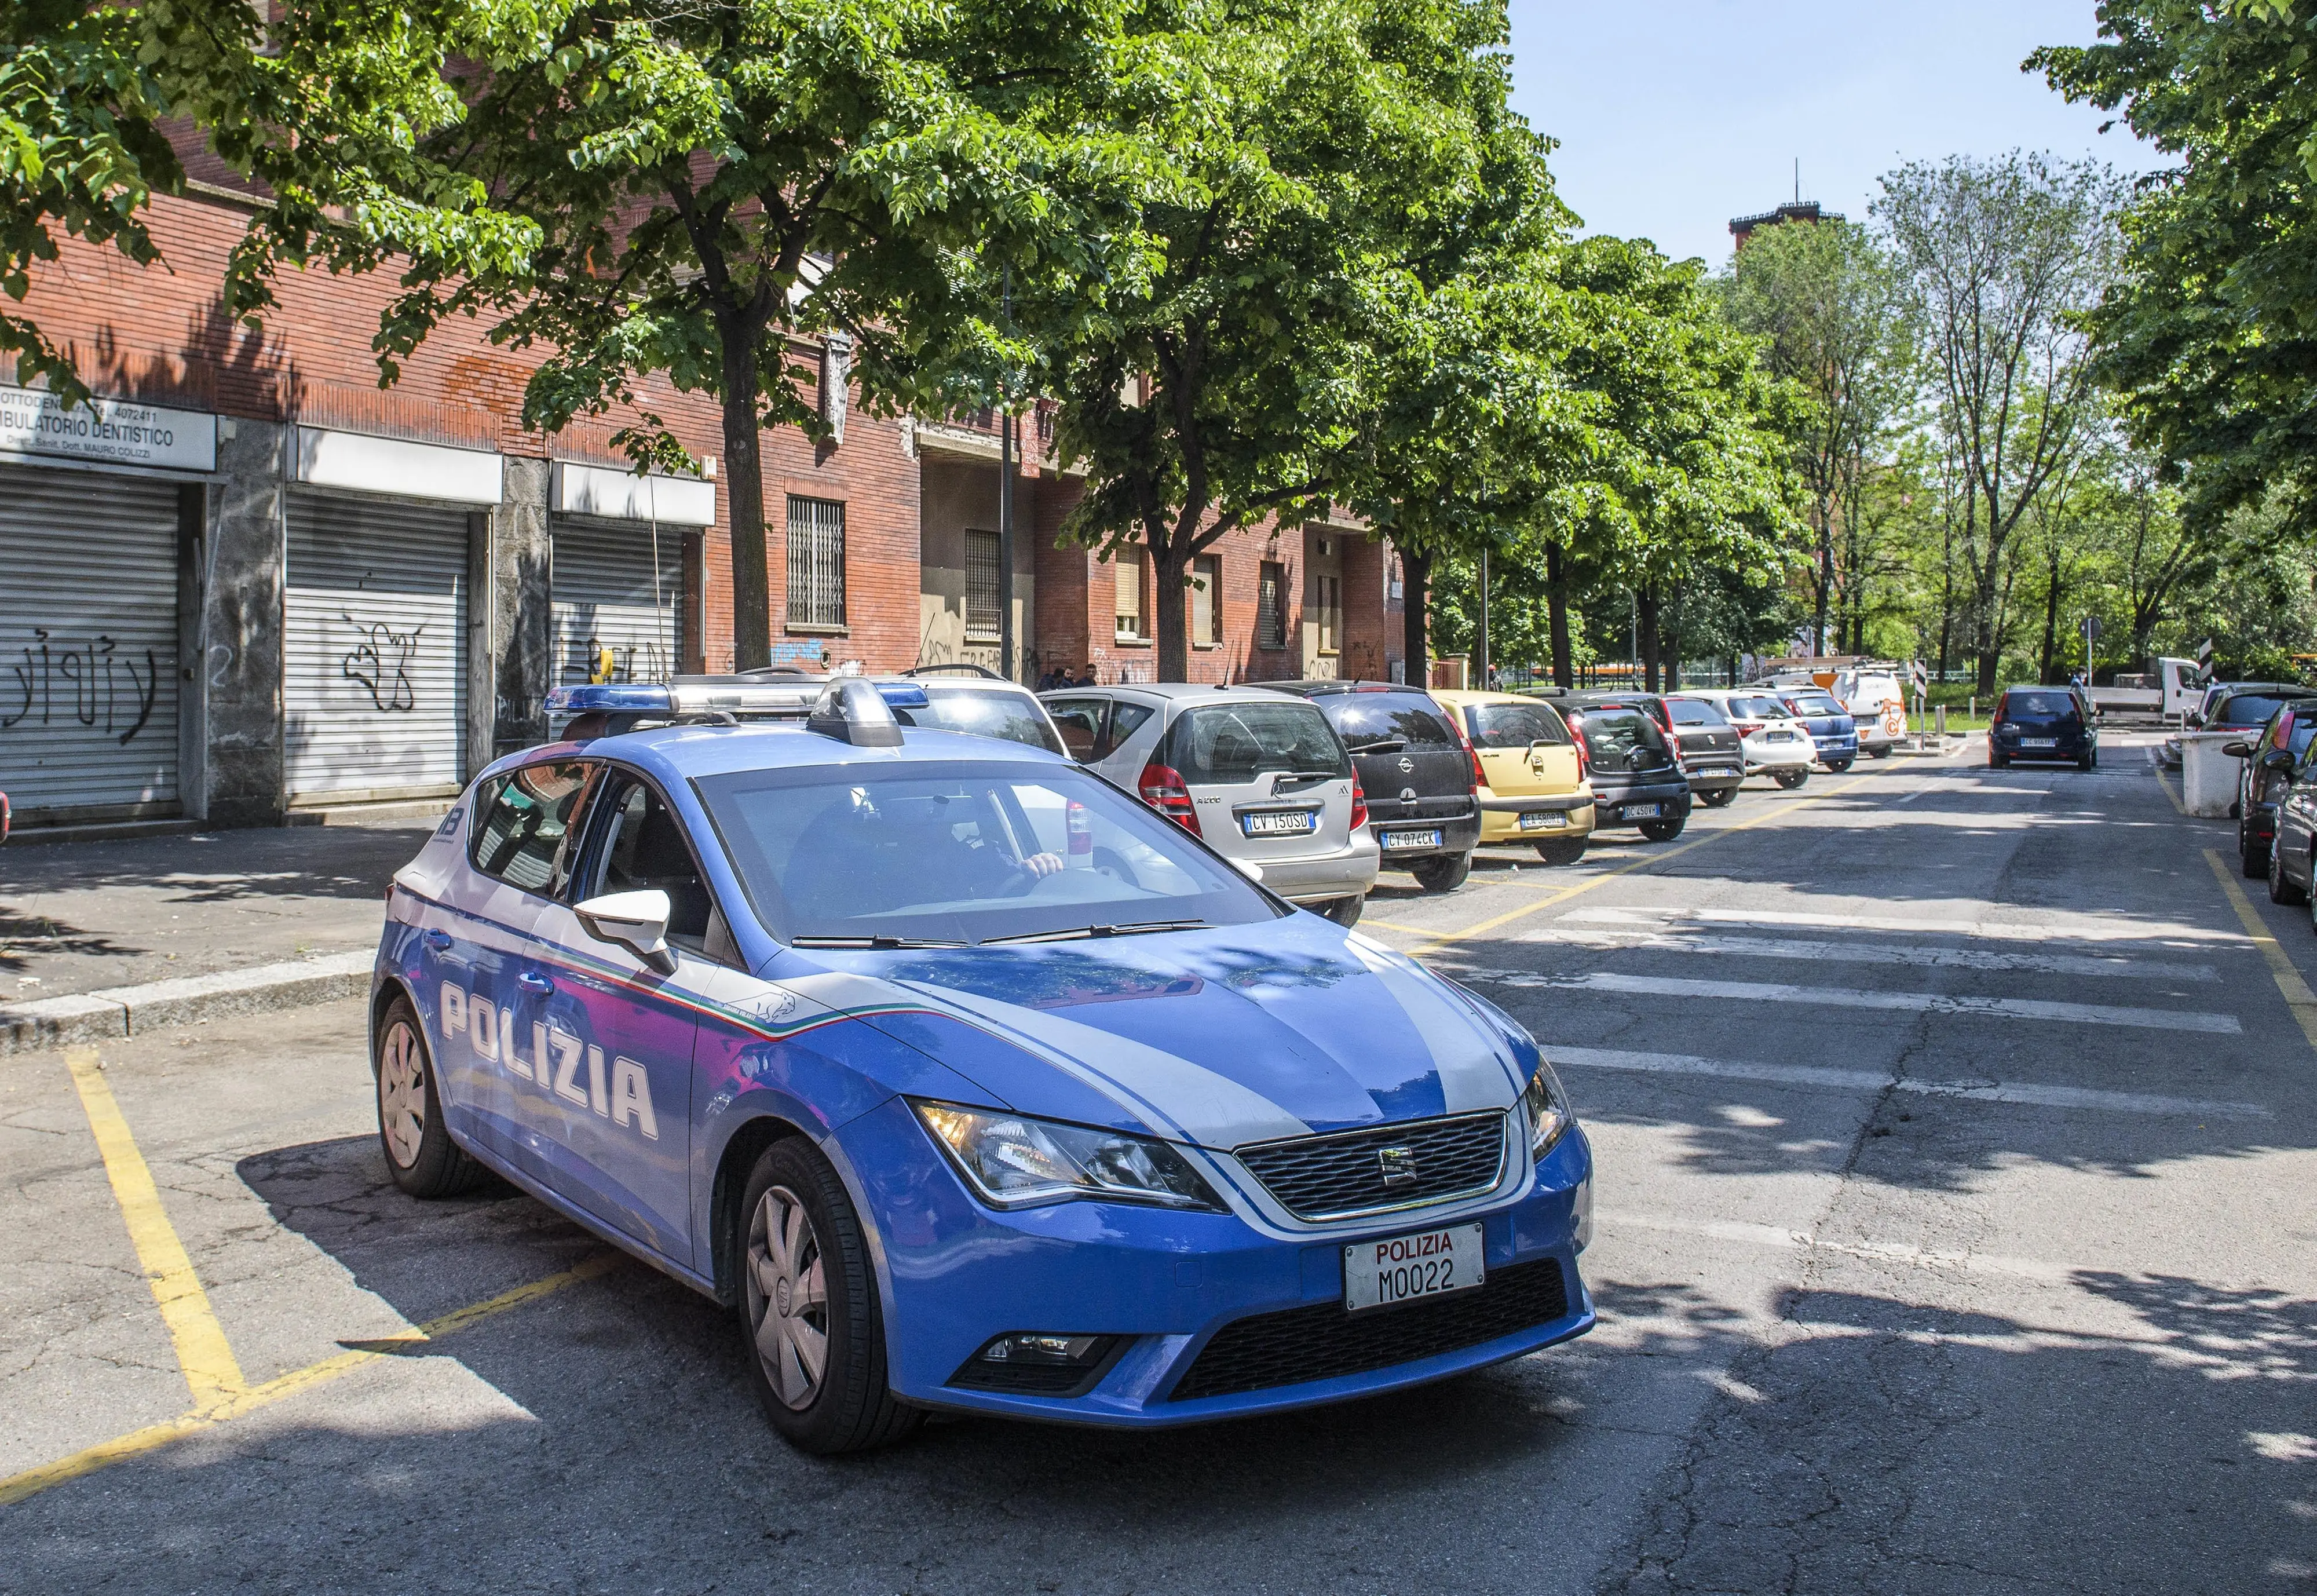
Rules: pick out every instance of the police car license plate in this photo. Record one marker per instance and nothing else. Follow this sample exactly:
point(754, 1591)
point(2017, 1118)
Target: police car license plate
point(1288, 822)
point(1541, 819)
point(1400, 839)
point(1644, 812)
point(2039, 742)
point(1402, 1268)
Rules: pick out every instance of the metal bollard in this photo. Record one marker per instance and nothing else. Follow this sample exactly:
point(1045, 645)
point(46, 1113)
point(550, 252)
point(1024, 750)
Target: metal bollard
point(1939, 720)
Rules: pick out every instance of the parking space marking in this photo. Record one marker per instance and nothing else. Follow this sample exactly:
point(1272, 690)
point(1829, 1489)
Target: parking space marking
point(2297, 996)
point(17, 1487)
point(202, 1352)
point(2023, 1093)
point(1749, 992)
point(1681, 941)
point(1367, 920)
point(2168, 793)
point(1440, 939)
point(2072, 929)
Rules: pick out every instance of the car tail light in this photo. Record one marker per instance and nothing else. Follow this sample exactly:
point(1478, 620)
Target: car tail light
point(1747, 728)
point(1164, 790)
point(1472, 754)
point(2001, 703)
point(1584, 758)
point(1359, 805)
point(1080, 827)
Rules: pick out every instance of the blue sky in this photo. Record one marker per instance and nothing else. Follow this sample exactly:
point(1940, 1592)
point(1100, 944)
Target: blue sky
point(1676, 115)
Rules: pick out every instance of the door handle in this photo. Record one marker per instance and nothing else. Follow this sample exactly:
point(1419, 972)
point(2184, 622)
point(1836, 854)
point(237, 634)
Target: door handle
point(532, 981)
point(437, 940)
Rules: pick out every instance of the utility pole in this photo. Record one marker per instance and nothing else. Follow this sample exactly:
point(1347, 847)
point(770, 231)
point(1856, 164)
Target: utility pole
point(1006, 638)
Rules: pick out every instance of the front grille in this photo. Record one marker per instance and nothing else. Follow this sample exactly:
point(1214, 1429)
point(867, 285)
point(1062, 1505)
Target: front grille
point(1336, 1176)
point(1323, 1342)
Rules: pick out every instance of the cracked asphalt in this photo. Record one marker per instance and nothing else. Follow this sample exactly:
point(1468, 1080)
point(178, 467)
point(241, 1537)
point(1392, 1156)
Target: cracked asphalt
point(1910, 1280)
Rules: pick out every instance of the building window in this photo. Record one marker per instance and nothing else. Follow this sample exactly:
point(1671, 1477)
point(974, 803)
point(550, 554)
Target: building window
point(1328, 611)
point(1207, 599)
point(1126, 577)
point(982, 588)
point(816, 561)
point(1271, 605)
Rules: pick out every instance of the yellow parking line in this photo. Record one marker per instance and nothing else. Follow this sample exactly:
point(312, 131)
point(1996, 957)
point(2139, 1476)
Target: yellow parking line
point(2168, 793)
point(202, 1350)
point(1367, 920)
point(1442, 940)
point(2298, 997)
point(137, 1442)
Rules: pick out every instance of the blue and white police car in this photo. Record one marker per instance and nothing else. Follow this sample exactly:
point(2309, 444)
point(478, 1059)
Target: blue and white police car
point(966, 1080)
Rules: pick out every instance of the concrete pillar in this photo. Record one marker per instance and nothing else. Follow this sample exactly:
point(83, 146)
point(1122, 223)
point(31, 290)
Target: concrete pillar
point(513, 656)
point(241, 626)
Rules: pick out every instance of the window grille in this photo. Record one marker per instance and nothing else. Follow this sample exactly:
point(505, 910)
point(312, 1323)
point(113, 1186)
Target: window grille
point(1127, 577)
point(982, 587)
point(1271, 606)
point(816, 561)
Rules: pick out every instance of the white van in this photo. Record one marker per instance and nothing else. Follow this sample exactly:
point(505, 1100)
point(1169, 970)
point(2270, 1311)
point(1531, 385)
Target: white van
point(1878, 705)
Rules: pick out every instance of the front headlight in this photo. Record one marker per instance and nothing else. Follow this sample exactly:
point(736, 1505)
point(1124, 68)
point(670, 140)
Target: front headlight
point(1548, 1110)
point(1013, 1162)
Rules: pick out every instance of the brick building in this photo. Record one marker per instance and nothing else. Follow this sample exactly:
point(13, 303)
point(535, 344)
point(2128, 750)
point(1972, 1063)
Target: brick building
point(255, 585)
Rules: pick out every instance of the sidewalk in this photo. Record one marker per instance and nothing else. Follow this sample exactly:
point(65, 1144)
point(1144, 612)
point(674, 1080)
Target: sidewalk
point(95, 935)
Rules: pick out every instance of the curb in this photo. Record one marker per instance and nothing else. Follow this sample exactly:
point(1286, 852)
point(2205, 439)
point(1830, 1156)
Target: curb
point(114, 1012)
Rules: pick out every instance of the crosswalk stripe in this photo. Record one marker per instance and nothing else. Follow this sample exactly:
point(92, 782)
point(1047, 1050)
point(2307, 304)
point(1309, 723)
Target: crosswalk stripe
point(1749, 991)
point(2072, 928)
point(2023, 1093)
point(1681, 940)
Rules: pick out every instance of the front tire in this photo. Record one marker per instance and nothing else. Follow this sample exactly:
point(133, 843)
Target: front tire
point(1790, 779)
point(807, 1307)
point(1561, 850)
point(1663, 831)
point(1345, 912)
point(419, 1152)
point(1836, 767)
point(2281, 889)
point(1718, 798)
point(1882, 753)
point(1443, 873)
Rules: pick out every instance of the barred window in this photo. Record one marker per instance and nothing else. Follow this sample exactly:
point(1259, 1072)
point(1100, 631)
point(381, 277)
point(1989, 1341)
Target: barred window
point(816, 561)
point(1271, 606)
point(1126, 578)
point(1207, 599)
point(982, 588)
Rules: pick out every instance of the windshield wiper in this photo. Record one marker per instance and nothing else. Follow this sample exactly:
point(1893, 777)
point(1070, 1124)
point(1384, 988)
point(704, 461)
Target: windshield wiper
point(872, 942)
point(1135, 928)
point(1383, 745)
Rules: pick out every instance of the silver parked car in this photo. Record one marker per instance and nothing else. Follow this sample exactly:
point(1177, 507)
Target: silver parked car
point(1259, 775)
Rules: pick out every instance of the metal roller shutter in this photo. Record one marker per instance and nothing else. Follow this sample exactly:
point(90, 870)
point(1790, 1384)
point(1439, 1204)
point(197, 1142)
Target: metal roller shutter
point(88, 644)
point(375, 674)
point(604, 599)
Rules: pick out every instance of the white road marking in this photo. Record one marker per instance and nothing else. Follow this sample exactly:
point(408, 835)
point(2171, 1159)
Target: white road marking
point(1875, 1081)
point(1749, 992)
point(1874, 952)
point(2072, 929)
point(1911, 797)
point(1771, 1235)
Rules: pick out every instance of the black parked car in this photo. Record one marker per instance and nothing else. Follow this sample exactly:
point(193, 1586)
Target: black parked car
point(2270, 761)
point(1414, 766)
point(2032, 722)
point(1637, 781)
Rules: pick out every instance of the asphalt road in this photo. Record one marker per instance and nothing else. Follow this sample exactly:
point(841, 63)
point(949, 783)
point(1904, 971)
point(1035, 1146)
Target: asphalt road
point(1956, 1234)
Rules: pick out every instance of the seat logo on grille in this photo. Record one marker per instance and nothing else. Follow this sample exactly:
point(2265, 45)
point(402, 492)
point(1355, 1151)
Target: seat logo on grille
point(1398, 1165)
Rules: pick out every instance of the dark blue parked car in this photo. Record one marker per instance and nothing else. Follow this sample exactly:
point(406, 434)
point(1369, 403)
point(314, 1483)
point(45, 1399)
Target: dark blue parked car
point(2032, 722)
point(1831, 729)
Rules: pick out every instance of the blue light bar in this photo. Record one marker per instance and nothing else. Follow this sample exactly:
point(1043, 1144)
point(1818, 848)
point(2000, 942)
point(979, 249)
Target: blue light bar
point(610, 698)
point(902, 695)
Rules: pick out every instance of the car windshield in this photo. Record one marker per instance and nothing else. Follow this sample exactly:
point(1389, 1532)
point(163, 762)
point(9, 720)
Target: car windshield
point(1814, 703)
point(984, 713)
point(2049, 706)
point(962, 852)
point(1514, 725)
point(2250, 708)
point(1695, 711)
point(1232, 744)
point(1409, 718)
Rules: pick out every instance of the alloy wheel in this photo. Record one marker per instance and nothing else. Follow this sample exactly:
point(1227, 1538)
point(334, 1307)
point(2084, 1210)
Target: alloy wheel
point(402, 1096)
point(788, 1298)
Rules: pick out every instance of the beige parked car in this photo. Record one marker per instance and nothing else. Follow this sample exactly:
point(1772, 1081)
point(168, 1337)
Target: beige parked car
point(1535, 789)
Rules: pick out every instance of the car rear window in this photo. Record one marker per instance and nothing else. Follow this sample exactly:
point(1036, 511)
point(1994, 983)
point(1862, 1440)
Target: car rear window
point(1758, 709)
point(1014, 716)
point(1409, 718)
point(1232, 744)
point(2044, 705)
point(2248, 709)
point(1815, 703)
point(1622, 738)
point(1514, 725)
point(1695, 711)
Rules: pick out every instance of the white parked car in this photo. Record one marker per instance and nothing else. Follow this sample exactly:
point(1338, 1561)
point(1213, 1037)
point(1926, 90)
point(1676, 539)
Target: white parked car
point(1776, 744)
point(1260, 777)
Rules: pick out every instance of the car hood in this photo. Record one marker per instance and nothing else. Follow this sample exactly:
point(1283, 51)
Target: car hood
point(1219, 1037)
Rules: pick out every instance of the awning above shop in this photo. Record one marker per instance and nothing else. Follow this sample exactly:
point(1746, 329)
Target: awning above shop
point(398, 466)
point(611, 494)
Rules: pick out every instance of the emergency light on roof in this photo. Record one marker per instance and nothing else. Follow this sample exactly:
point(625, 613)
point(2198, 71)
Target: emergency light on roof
point(793, 698)
point(853, 711)
point(609, 698)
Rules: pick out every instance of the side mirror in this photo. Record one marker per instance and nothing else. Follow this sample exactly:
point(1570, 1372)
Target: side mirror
point(2237, 750)
point(2276, 760)
point(637, 921)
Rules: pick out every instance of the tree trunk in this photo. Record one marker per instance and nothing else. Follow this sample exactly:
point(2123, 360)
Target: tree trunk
point(1556, 606)
point(1168, 562)
point(1645, 606)
point(744, 487)
point(2045, 665)
point(1825, 574)
point(1416, 575)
